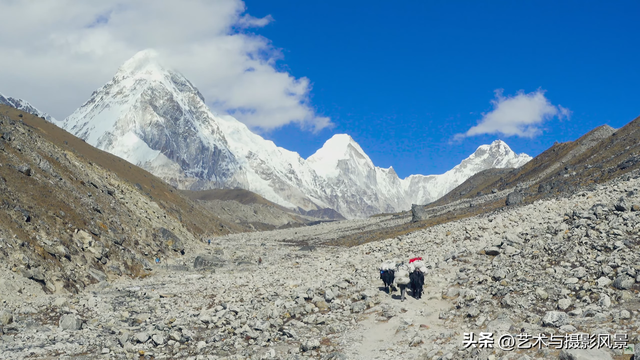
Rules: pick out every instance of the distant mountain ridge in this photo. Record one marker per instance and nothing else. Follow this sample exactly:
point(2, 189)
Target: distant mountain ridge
point(155, 118)
point(24, 106)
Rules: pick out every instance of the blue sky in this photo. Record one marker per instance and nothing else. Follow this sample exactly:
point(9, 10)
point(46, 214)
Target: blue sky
point(409, 81)
point(403, 79)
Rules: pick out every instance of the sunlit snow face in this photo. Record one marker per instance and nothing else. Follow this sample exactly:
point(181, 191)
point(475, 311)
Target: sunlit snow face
point(155, 118)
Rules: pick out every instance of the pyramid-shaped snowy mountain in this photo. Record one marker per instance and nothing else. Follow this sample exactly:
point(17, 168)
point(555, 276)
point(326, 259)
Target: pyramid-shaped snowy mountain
point(155, 118)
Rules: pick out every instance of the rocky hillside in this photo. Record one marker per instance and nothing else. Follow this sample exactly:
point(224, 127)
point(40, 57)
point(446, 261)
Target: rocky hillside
point(72, 215)
point(552, 268)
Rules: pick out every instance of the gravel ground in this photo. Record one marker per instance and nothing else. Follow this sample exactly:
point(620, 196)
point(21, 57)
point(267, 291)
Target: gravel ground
point(555, 267)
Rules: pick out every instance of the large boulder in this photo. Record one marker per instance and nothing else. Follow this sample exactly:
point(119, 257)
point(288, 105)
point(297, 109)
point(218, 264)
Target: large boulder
point(141, 337)
point(622, 205)
point(56, 249)
point(158, 339)
point(83, 237)
point(170, 240)
point(514, 198)
point(623, 282)
point(6, 317)
point(207, 261)
point(70, 322)
point(309, 345)
point(545, 188)
point(328, 295)
point(358, 307)
point(33, 274)
point(555, 318)
point(25, 169)
point(97, 274)
point(418, 213)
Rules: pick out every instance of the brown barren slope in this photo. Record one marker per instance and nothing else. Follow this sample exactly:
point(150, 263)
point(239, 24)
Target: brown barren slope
point(164, 194)
point(71, 215)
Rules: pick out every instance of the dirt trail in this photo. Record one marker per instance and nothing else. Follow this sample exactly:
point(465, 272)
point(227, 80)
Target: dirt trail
point(374, 337)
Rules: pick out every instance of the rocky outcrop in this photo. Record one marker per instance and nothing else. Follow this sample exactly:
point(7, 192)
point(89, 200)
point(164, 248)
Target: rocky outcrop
point(514, 198)
point(207, 262)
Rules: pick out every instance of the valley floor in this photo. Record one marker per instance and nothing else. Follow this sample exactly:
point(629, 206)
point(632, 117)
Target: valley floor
point(555, 267)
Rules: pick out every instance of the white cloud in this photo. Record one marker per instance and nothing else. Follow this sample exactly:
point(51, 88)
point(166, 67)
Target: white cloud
point(57, 52)
point(518, 115)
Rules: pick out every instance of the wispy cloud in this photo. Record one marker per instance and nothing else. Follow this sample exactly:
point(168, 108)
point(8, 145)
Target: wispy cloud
point(518, 115)
point(60, 51)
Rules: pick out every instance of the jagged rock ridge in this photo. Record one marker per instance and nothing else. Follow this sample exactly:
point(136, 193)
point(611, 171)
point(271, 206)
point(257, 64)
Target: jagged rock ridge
point(24, 106)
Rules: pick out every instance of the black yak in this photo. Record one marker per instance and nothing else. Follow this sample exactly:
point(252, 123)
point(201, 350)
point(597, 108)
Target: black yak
point(416, 283)
point(387, 277)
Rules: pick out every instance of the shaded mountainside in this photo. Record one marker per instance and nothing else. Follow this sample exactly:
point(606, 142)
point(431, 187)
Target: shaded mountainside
point(251, 210)
point(242, 196)
point(71, 214)
point(477, 183)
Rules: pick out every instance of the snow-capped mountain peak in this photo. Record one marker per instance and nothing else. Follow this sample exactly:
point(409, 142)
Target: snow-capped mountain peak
point(145, 61)
point(340, 147)
point(155, 118)
point(497, 154)
point(497, 147)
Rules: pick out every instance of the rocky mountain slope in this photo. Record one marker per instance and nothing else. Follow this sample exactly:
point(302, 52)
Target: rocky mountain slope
point(155, 118)
point(72, 215)
point(558, 267)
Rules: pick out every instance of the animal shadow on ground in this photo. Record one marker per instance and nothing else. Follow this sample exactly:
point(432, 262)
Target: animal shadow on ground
point(384, 290)
point(397, 297)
